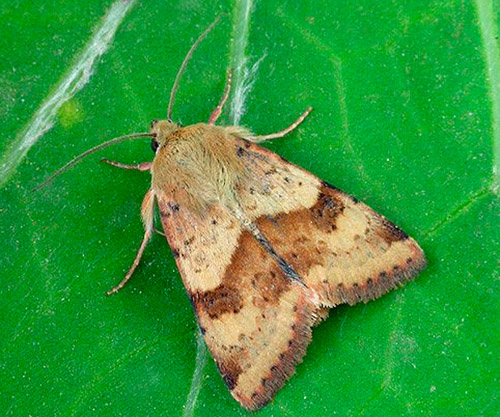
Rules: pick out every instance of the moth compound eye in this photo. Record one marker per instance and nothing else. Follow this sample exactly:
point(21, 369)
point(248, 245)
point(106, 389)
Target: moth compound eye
point(152, 124)
point(154, 145)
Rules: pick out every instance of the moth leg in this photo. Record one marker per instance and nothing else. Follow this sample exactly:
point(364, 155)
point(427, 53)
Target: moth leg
point(218, 110)
point(159, 232)
point(138, 257)
point(144, 166)
point(281, 133)
point(147, 218)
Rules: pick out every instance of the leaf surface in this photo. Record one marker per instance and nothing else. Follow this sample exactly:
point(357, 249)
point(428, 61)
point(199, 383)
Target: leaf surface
point(406, 118)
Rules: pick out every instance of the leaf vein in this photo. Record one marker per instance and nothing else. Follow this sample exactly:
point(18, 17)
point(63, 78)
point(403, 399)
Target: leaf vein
point(242, 76)
point(489, 36)
point(78, 76)
point(196, 381)
point(458, 211)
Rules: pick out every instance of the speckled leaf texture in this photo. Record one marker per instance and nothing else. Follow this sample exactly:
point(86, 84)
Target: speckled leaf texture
point(406, 99)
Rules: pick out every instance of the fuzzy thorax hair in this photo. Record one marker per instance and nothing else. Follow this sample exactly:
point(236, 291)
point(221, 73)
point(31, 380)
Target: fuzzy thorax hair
point(198, 164)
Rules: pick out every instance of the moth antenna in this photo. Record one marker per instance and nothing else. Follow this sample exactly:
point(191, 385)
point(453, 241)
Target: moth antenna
point(77, 159)
point(175, 86)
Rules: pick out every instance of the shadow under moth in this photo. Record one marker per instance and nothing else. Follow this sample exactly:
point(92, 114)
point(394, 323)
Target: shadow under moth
point(264, 248)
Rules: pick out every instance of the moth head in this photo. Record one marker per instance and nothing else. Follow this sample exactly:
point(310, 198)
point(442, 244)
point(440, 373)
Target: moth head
point(161, 129)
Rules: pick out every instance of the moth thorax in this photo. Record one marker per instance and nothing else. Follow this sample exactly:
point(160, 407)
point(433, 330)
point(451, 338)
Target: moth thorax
point(200, 163)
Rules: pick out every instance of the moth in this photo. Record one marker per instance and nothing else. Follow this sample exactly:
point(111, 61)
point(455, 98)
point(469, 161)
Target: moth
point(264, 248)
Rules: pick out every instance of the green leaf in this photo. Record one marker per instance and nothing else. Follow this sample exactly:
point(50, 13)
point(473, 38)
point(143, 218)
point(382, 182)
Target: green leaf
point(406, 99)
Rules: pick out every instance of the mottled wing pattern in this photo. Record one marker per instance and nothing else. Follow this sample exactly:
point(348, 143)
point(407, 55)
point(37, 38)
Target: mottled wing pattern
point(255, 320)
point(341, 248)
point(257, 289)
